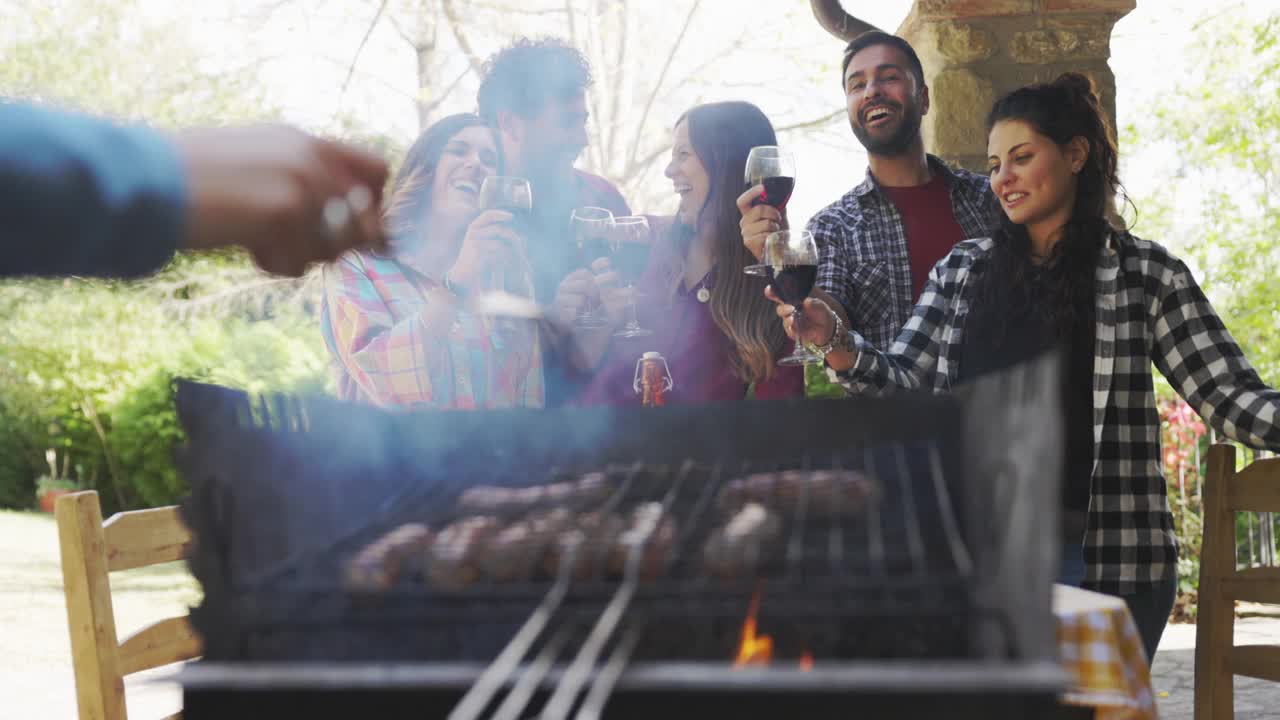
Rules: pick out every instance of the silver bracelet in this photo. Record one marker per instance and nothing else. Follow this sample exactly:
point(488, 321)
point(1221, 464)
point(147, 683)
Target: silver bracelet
point(837, 338)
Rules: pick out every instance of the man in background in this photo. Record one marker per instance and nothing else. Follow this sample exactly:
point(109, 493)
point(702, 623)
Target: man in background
point(535, 93)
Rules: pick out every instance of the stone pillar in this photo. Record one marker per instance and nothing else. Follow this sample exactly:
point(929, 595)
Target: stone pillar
point(974, 51)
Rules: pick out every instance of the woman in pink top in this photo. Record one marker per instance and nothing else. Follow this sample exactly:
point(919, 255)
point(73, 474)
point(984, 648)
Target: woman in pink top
point(708, 318)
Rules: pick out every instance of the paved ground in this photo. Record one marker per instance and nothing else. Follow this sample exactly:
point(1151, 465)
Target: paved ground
point(1173, 673)
point(35, 655)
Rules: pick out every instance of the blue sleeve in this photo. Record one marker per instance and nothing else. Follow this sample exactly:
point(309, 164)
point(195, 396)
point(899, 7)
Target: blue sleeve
point(80, 196)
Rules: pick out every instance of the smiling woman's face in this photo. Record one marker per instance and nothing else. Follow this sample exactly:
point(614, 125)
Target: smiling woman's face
point(688, 176)
point(1032, 176)
point(468, 158)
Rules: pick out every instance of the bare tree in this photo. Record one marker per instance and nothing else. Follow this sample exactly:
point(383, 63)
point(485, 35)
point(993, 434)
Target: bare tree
point(650, 62)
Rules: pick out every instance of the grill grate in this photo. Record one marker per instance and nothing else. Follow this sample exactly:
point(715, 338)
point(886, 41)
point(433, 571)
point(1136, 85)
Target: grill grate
point(952, 562)
point(902, 557)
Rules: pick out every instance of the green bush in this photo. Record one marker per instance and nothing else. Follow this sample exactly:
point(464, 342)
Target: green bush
point(88, 369)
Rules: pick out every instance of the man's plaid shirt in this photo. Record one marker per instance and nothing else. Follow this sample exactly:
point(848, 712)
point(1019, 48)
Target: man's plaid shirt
point(1149, 310)
point(862, 246)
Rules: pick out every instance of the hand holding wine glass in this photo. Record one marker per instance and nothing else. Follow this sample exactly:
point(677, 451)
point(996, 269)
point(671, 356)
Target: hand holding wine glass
point(773, 169)
point(630, 240)
point(507, 192)
point(791, 261)
point(488, 242)
point(590, 229)
point(492, 241)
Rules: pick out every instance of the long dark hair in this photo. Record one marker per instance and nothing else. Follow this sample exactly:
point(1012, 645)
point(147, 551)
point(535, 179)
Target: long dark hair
point(1064, 109)
point(722, 135)
point(410, 195)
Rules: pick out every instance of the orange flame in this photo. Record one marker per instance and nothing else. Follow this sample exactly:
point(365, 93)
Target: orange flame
point(753, 650)
point(806, 661)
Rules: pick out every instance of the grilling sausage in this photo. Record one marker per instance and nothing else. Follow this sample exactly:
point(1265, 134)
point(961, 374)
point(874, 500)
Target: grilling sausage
point(648, 524)
point(378, 566)
point(831, 493)
point(744, 544)
point(585, 492)
point(511, 554)
point(595, 534)
point(454, 560)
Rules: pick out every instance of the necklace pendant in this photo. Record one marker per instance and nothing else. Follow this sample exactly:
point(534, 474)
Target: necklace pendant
point(704, 295)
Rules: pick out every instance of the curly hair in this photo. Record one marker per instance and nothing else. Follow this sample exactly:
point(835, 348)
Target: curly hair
point(1066, 108)
point(523, 76)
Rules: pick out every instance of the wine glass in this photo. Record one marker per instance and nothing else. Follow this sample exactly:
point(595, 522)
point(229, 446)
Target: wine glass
point(506, 192)
point(791, 262)
point(591, 227)
point(775, 168)
point(514, 195)
point(630, 241)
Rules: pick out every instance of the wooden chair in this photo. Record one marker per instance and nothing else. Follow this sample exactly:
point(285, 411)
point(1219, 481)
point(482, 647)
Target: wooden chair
point(1256, 488)
point(90, 550)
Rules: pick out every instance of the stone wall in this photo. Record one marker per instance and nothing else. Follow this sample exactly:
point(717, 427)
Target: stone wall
point(973, 51)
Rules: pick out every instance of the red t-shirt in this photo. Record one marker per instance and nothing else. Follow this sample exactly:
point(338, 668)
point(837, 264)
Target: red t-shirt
point(930, 223)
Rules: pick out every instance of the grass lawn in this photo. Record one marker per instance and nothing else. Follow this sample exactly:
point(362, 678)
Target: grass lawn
point(35, 653)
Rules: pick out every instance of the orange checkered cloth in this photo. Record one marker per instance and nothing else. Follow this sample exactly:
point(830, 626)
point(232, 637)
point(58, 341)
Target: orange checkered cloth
point(1103, 655)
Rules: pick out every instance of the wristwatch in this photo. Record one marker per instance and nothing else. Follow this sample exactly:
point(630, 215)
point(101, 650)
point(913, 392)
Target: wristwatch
point(839, 339)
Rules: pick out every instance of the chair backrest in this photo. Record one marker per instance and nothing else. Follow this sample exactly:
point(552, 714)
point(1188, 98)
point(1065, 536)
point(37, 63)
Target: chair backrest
point(91, 549)
point(1256, 488)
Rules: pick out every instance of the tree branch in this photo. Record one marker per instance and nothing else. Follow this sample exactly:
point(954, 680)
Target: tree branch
point(698, 70)
point(90, 411)
point(620, 78)
point(455, 26)
point(662, 76)
point(509, 9)
point(400, 31)
point(815, 122)
point(426, 108)
point(360, 48)
point(634, 166)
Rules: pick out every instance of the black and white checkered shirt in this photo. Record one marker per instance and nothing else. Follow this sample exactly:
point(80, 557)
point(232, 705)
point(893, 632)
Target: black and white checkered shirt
point(1149, 310)
point(862, 246)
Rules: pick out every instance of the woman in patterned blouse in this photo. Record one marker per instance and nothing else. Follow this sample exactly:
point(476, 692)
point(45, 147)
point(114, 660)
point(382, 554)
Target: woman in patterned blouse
point(1059, 272)
point(398, 326)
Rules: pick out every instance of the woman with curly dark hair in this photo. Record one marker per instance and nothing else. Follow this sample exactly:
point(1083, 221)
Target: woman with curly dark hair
point(1060, 272)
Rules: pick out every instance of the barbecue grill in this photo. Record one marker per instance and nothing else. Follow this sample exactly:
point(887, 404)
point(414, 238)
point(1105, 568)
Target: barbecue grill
point(932, 598)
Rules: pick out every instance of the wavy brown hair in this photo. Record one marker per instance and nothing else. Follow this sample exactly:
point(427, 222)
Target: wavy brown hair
point(410, 194)
point(722, 135)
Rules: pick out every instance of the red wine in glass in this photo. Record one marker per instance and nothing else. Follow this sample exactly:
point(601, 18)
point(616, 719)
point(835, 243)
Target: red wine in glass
point(791, 262)
point(775, 168)
point(631, 243)
point(591, 227)
point(777, 191)
point(793, 283)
